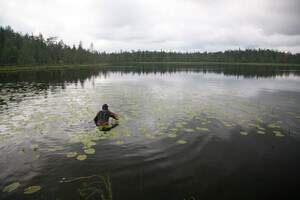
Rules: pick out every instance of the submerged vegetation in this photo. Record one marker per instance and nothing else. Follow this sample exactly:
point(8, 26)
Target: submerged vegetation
point(17, 49)
point(100, 186)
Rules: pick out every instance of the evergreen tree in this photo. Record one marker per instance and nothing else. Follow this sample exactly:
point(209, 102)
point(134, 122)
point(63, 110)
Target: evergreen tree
point(18, 49)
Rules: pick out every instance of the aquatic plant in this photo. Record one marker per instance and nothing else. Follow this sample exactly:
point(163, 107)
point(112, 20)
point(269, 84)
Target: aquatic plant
point(273, 126)
point(172, 135)
point(56, 148)
point(261, 132)
point(181, 141)
point(278, 133)
point(202, 129)
point(189, 130)
point(101, 187)
point(89, 151)
point(119, 142)
point(147, 116)
point(150, 136)
point(243, 133)
point(11, 187)
point(81, 157)
point(32, 189)
point(71, 154)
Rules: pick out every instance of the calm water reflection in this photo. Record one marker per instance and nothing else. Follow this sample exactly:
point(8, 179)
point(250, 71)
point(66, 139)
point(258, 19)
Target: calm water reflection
point(208, 132)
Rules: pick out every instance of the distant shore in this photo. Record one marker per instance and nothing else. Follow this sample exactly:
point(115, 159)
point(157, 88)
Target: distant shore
point(49, 67)
point(216, 63)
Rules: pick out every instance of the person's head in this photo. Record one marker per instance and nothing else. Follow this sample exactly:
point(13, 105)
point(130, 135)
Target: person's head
point(105, 107)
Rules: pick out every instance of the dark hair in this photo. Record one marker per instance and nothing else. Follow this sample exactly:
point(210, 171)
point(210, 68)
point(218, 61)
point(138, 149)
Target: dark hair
point(104, 107)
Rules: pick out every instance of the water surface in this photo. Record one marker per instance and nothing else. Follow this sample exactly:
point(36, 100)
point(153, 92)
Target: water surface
point(203, 132)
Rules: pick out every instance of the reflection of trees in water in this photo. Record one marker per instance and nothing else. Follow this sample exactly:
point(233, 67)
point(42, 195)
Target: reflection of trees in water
point(80, 75)
point(18, 86)
point(18, 91)
point(246, 71)
point(36, 82)
point(52, 77)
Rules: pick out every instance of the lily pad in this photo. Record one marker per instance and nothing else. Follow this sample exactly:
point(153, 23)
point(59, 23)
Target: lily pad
point(71, 154)
point(89, 151)
point(88, 144)
point(189, 130)
point(150, 136)
point(143, 129)
point(202, 129)
point(119, 142)
point(227, 124)
point(243, 133)
point(179, 125)
point(273, 126)
point(172, 135)
point(261, 132)
point(278, 133)
point(81, 157)
point(181, 141)
point(35, 147)
point(32, 189)
point(56, 148)
point(115, 134)
point(11, 187)
point(254, 125)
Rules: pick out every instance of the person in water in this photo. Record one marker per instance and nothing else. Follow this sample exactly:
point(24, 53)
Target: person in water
point(102, 117)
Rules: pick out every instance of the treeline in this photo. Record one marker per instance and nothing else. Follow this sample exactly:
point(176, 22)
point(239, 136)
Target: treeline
point(17, 49)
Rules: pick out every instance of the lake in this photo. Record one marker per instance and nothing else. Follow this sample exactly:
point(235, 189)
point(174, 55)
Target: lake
point(186, 132)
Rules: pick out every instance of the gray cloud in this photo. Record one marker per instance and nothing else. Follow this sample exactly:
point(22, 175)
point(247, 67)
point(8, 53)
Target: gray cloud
point(183, 25)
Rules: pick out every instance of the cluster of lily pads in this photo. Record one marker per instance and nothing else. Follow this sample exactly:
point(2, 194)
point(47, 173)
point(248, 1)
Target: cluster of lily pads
point(143, 111)
point(146, 115)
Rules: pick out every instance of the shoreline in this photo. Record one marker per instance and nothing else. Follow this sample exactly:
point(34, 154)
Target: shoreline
point(48, 67)
point(106, 64)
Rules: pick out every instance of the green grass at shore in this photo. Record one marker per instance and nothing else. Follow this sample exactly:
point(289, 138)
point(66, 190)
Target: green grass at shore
point(218, 63)
point(48, 67)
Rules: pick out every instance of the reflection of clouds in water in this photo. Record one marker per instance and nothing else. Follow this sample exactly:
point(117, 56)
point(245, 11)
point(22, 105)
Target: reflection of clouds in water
point(213, 122)
point(207, 83)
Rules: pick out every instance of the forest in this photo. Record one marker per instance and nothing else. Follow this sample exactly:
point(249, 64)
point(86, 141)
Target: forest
point(17, 49)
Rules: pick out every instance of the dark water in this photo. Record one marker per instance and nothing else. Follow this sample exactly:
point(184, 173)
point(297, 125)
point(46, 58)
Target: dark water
point(186, 132)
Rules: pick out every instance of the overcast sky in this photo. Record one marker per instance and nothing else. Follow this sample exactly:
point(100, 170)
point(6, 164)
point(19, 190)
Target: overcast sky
point(176, 25)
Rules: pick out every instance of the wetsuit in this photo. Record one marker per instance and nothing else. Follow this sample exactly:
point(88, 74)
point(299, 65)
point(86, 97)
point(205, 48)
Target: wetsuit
point(103, 116)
